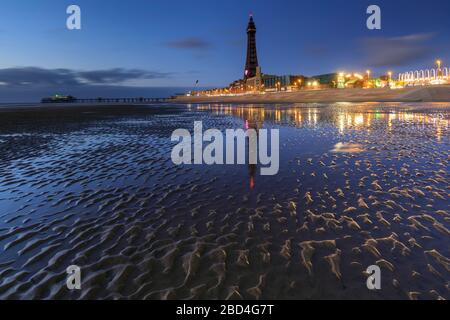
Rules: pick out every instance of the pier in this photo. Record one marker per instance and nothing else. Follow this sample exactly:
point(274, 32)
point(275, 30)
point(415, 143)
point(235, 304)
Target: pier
point(122, 100)
point(69, 99)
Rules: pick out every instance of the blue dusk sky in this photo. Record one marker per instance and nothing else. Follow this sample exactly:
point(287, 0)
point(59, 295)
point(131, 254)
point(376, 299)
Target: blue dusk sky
point(152, 43)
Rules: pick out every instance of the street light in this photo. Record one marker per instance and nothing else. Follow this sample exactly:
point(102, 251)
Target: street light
point(439, 71)
point(390, 79)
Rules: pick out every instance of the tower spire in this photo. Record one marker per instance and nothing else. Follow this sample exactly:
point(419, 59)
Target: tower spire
point(252, 56)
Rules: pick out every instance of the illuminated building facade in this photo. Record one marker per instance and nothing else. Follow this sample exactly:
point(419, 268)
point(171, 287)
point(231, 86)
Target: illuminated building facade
point(282, 83)
point(255, 83)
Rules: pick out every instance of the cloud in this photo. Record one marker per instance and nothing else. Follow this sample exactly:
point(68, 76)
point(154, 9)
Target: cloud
point(189, 44)
point(119, 75)
point(33, 76)
point(397, 51)
point(37, 76)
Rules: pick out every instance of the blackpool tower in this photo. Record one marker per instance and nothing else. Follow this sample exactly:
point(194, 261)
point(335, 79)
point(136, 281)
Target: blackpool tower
point(252, 57)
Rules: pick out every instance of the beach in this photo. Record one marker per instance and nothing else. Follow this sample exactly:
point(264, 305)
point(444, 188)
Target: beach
point(360, 184)
point(410, 94)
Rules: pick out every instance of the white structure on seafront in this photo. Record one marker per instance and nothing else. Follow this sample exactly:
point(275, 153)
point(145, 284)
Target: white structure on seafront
point(426, 76)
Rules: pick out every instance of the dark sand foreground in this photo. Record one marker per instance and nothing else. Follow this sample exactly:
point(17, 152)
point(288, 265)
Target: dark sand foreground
point(359, 185)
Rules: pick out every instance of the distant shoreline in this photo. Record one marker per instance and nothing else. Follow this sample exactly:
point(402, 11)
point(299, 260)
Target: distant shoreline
point(413, 94)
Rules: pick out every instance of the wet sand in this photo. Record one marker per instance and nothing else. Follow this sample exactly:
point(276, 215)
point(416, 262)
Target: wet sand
point(359, 185)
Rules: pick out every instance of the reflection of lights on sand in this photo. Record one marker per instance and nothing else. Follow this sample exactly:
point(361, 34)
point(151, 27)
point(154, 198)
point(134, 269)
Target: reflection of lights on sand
point(359, 119)
point(406, 116)
point(391, 117)
point(349, 121)
point(347, 148)
point(278, 115)
point(441, 124)
point(438, 132)
point(369, 120)
point(297, 117)
point(311, 116)
point(341, 123)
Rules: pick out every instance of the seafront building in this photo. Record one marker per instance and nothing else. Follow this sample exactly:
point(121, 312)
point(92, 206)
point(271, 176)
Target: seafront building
point(283, 83)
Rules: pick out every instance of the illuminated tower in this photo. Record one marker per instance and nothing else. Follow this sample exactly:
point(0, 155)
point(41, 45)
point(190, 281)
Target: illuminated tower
point(252, 57)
